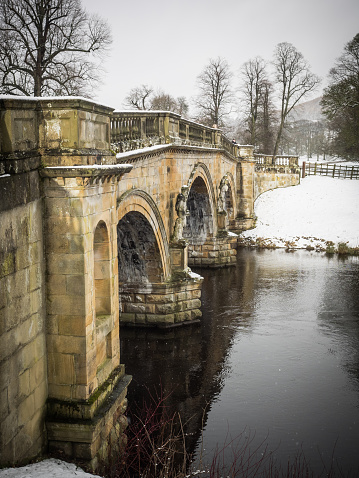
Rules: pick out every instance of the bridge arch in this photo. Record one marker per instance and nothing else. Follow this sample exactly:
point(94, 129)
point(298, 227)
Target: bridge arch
point(137, 211)
point(149, 294)
point(201, 204)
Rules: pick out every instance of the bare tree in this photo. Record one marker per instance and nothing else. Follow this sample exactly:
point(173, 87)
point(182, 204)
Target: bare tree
point(215, 95)
point(257, 103)
point(47, 47)
point(295, 81)
point(139, 98)
point(182, 106)
point(165, 102)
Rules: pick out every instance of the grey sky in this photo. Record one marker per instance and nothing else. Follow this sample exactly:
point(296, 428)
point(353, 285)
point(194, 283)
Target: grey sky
point(166, 44)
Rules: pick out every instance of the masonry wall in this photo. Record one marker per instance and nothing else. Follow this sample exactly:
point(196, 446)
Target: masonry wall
point(23, 384)
point(265, 181)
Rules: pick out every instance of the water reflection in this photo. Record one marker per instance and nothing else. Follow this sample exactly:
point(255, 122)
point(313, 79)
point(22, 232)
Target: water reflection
point(276, 353)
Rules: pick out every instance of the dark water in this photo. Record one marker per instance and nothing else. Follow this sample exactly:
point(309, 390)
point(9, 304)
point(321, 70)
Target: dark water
point(276, 359)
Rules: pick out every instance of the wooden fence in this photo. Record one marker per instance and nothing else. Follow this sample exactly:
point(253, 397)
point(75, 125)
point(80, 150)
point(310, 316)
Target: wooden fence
point(333, 170)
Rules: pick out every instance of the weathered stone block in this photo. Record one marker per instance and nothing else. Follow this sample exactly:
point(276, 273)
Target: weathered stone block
point(76, 285)
point(38, 373)
point(127, 317)
point(140, 318)
point(26, 410)
point(160, 299)
point(72, 264)
point(56, 284)
point(134, 308)
point(7, 429)
point(16, 285)
point(183, 316)
point(67, 305)
point(63, 344)
point(73, 325)
point(36, 301)
point(36, 277)
point(160, 319)
point(166, 308)
point(61, 392)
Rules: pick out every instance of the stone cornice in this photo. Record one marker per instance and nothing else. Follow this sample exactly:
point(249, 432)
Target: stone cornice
point(52, 102)
point(85, 171)
point(139, 154)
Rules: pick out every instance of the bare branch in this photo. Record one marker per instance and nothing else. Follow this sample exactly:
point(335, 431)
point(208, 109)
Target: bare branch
point(138, 97)
point(39, 39)
point(215, 94)
point(295, 81)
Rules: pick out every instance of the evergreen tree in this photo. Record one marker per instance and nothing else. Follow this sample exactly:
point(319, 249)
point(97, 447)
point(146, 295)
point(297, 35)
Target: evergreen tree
point(341, 102)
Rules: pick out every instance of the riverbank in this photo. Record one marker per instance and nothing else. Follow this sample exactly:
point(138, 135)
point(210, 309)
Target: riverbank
point(319, 211)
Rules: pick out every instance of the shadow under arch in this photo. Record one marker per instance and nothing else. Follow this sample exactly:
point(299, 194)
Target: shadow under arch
point(149, 294)
point(209, 244)
point(201, 204)
point(138, 201)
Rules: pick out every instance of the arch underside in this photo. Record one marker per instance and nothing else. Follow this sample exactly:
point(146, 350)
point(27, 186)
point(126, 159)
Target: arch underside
point(139, 258)
point(148, 295)
point(207, 245)
point(199, 224)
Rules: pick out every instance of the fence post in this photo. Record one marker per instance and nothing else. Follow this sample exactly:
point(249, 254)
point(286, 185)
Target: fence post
point(334, 170)
point(315, 169)
point(303, 170)
point(351, 174)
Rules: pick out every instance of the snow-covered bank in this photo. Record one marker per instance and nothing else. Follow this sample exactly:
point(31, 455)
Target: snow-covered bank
point(320, 209)
point(51, 468)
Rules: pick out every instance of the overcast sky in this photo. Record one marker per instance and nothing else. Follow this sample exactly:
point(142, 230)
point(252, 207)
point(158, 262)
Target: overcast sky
point(166, 44)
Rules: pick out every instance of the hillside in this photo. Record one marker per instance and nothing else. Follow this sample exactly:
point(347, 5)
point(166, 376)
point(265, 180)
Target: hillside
point(308, 110)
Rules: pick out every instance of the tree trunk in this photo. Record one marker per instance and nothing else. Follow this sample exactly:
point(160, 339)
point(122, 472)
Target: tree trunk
point(279, 135)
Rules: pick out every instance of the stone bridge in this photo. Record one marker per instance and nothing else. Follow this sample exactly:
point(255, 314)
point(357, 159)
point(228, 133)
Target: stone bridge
point(102, 214)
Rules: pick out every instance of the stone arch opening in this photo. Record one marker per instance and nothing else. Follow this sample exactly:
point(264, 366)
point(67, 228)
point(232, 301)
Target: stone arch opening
point(102, 270)
point(139, 258)
point(199, 224)
point(149, 294)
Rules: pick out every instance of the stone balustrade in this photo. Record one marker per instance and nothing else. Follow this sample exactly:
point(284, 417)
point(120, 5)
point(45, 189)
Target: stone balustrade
point(264, 161)
point(136, 129)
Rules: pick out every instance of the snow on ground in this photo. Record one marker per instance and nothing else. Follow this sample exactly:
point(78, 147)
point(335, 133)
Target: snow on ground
point(51, 468)
point(320, 209)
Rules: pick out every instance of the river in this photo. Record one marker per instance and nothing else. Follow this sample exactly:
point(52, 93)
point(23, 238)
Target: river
point(274, 363)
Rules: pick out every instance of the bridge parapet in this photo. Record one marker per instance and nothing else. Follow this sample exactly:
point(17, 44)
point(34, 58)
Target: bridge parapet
point(275, 172)
point(64, 131)
point(286, 163)
point(132, 130)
